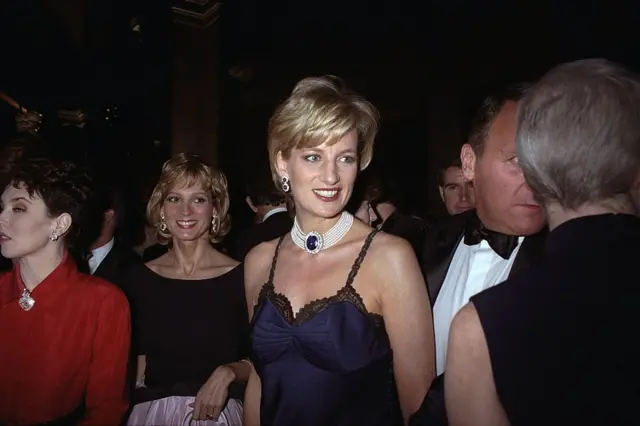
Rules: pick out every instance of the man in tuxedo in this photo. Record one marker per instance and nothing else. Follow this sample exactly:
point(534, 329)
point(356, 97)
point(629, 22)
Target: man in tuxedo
point(480, 248)
point(271, 218)
point(109, 258)
point(553, 346)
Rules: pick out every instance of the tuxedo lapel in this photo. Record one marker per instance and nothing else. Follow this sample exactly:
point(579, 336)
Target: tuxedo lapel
point(531, 252)
point(435, 277)
point(438, 251)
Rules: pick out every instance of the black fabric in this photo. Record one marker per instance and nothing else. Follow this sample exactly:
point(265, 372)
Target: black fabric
point(408, 227)
point(116, 263)
point(439, 247)
point(502, 244)
point(442, 239)
point(186, 329)
point(153, 252)
point(561, 337)
point(273, 227)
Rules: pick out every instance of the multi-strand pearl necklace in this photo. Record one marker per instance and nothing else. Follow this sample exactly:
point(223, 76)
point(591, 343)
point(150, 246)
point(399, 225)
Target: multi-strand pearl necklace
point(314, 242)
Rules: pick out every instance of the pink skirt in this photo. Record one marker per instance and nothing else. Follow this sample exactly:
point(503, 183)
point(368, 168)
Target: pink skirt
point(175, 410)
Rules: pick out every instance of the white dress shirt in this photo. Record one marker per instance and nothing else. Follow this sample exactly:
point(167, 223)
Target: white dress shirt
point(273, 211)
point(472, 270)
point(98, 255)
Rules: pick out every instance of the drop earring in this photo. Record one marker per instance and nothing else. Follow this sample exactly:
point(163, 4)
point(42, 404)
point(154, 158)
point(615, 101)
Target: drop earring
point(163, 225)
point(54, 236)
point(214, 224)
point(286, 187)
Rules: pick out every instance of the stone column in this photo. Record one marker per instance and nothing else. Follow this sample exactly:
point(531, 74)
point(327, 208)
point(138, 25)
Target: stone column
point(195, 91)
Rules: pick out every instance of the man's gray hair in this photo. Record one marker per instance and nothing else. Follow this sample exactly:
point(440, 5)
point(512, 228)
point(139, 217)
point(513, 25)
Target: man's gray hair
point(578, 137)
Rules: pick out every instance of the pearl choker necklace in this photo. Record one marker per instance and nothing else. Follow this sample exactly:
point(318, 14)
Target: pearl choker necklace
point(314, 242)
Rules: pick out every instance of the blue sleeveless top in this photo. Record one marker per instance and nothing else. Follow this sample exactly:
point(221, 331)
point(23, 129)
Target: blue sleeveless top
point(331, 364)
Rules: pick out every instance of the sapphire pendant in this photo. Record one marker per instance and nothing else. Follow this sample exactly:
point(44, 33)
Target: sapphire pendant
point(313, 243)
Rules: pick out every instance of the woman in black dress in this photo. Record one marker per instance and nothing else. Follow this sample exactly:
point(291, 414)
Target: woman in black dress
point(189, 312)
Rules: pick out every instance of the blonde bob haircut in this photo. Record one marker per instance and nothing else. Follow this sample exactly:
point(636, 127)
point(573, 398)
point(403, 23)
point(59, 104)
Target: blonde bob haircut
point(319, 110)
point(186, 170)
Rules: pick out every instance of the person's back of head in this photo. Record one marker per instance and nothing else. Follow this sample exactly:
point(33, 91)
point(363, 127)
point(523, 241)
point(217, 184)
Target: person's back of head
point(262, 191)
point(578, 138)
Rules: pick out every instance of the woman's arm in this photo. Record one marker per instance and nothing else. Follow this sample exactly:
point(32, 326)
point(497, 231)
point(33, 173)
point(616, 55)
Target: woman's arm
point(252, 396)
point(105, 397)
point(470, 392)
point(408, 320)
point(256, 270)
point(141, 366)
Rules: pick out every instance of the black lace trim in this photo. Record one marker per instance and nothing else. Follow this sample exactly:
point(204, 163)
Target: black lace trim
point(345, 294)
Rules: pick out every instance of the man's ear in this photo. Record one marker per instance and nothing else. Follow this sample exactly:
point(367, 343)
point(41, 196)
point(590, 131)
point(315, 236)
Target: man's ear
point(468, 158)
point(250, 204)
point(109, 215)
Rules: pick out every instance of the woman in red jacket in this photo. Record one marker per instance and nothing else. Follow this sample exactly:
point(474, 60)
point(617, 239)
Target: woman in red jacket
point(65, 335)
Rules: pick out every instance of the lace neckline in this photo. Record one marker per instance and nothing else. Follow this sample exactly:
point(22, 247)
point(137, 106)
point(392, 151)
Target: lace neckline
point(347, 293)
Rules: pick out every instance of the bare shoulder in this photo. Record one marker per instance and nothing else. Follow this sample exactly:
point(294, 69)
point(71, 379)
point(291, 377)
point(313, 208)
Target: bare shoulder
point(390, 251)
point(394, 264)
point(466, 329)
point(257, 264)
point(261, 255)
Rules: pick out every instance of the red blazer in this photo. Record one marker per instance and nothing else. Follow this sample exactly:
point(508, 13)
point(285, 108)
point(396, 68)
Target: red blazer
point(71, 348)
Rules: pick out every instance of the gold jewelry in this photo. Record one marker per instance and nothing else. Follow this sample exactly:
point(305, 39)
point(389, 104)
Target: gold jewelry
point(163, 225)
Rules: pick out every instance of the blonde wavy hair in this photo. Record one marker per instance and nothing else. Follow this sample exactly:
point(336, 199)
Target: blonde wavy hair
point(188, 170)
point(319, 110)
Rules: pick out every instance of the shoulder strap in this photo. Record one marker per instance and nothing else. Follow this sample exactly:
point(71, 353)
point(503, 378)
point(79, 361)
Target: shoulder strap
point(363, 252)
point(275, 260)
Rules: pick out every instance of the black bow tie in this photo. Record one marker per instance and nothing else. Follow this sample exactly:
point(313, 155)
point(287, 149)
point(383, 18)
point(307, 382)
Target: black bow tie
point(502, 244)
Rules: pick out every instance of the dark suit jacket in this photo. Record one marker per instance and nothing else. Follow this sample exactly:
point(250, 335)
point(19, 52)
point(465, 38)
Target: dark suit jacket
point(440, 245)
point(408, 227)
point(274, 227)
point(116, 263)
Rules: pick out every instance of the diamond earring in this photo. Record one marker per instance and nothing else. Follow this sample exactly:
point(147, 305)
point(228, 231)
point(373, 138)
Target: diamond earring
point(286, 187)
point(54, 236)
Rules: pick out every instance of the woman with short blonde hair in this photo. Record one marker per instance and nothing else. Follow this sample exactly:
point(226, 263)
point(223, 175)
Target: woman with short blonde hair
point(341, 321)
point(188, 305)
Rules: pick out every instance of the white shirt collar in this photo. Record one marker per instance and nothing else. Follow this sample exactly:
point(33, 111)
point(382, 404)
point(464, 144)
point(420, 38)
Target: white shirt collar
point(273, 211)
point(99, 254)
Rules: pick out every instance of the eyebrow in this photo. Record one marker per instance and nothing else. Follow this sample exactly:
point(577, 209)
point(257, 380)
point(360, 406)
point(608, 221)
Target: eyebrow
point(188, 195)
point(349, 151)
point(320, 150)
point(13, 200)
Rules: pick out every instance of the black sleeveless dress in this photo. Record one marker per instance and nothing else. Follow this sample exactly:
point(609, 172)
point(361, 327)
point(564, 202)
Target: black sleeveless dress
point(562, 336)
point(331, 364)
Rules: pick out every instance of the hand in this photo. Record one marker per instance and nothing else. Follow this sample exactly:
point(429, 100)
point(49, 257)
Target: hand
point(212, 396)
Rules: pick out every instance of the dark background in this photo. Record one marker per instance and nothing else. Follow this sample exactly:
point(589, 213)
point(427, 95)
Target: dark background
point(424, 64)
